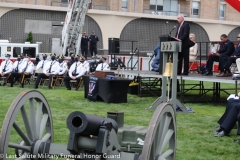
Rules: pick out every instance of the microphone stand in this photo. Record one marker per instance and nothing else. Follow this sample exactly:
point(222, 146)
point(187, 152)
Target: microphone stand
point(171, 31)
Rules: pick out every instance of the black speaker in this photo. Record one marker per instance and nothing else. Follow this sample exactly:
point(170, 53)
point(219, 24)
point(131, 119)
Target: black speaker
point(113, 45)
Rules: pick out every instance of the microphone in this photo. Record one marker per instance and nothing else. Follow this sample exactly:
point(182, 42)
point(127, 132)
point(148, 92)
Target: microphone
point(172, 30)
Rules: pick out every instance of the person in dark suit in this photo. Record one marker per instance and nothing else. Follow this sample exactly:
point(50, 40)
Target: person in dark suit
point(182, 34)
point(84, 44)
point(226, 49)
point(93, 42)
point(229, 118)
point(236, 54)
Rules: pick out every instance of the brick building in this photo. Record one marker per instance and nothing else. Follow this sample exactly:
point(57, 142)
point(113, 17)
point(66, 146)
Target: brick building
point(141, 20)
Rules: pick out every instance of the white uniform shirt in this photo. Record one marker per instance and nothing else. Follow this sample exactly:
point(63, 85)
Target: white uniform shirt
point(42, 62)
point(80, 70)
point(8, 65)
point(86, 66)
point(54, 69)
point(103, 67)
point(15, 65)
point(27, 66)
point(63, 68)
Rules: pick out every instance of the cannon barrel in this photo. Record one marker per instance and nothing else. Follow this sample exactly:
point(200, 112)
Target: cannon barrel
point(86, 124)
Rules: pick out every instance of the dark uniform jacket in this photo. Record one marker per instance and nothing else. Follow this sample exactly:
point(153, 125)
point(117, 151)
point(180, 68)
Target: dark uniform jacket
point(93, 40)
point(237, 51)
point(84, 41)
point(226, 48)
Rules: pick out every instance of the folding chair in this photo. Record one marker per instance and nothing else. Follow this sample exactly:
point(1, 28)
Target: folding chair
point(27, 81)
point(55, 77)
point(192, 63)
point(233, 68)
point(36, 73)
point(2, 79)
point(73, 83)
point(60, 80)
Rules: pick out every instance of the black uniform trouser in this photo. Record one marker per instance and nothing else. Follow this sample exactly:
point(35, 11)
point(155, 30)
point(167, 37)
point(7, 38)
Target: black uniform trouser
point(44, 76)
point(93, 49)
point(221, 59)
point(23, 76)
point(228, 106)
point(183, 55)
point(228, 64)
point(67, 80)
point(229, 118)
point(7, 77)
point(14, 75)
point(84, 50)
point(238, 118)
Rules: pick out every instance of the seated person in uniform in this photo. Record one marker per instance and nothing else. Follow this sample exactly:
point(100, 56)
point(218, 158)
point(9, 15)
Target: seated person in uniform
point(226, 69)
point(50, 71)
point(63, 66)
point(6, 68)
point(36, 61)
point(103, 66)
point(155, 62)
point(226, 49)
point(18, 63)
point(75, 73)
point(229, 118)
point(42, 62)
point(93, 64)
point(71, 61)
point(119, 63)
point(25, 71)
point(85, 63)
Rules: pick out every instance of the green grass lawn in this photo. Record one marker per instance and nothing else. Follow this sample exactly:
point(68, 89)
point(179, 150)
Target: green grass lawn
point(195, 140)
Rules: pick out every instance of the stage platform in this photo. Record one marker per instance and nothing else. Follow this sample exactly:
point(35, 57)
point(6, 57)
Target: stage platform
point(216, 89)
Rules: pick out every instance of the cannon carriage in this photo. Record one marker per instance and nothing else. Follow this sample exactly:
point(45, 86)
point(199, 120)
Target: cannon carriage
point(90, 137)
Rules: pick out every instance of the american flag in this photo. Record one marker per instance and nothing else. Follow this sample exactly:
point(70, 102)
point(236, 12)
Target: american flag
point(91, 87)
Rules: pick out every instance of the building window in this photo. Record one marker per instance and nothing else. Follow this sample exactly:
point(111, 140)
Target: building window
point(195, 8)
point(222, 10)
point(125, 4)
point(156, 5)
point(30, 50)
point(16, 51)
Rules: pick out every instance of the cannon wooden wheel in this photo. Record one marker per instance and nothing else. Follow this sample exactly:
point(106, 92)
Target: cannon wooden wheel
point(28, 119)
point(160, 140)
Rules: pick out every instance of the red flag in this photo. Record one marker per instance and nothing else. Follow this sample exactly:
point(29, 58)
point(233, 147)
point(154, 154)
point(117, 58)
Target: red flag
point(235, 4)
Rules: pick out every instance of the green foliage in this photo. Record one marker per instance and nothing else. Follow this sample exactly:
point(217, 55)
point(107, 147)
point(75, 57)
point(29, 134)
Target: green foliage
point(195, 140)
point(29, 38)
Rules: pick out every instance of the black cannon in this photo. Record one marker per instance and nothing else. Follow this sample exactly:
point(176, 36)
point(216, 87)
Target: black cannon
point(91, 137)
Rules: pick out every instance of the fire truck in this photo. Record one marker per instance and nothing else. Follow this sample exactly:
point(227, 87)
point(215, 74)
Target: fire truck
point(15, 49)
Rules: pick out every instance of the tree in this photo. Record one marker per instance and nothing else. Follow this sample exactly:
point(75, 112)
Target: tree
point(29, 38)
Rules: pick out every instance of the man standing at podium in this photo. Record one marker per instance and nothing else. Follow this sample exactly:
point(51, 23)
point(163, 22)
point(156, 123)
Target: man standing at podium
point(182, 34)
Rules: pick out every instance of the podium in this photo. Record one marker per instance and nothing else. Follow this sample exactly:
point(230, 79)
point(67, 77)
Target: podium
point(170, 47)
